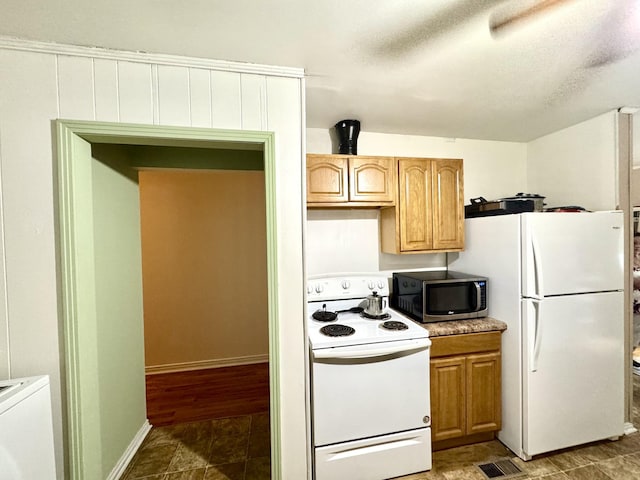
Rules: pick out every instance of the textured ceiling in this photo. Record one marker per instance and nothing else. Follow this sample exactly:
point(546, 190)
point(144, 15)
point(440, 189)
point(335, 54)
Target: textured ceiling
point(411, 66)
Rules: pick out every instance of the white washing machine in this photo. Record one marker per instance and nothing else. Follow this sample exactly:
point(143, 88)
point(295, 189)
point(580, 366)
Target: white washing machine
point(26, 430)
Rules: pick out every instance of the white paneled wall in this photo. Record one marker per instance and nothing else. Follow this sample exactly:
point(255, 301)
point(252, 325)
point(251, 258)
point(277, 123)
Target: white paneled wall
point(174, 95)
point(137, 101)
point(225, 97)
point(105, 84)
point(253, 91)
point(40, 83)
point(200, 97)
point(75, 87)
point(28, 91)
point(133, 92)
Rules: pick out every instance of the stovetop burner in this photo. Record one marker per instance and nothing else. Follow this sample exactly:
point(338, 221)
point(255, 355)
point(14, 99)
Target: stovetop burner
point(382, 316)
point(394, 325)
point(324, 316)
point(337, 330)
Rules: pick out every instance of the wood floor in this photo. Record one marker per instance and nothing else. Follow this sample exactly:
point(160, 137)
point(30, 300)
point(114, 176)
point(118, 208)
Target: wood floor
point(182, 397)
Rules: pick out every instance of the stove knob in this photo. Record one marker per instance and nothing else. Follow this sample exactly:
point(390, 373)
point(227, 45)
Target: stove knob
point(319, 288)
point(380, 284)
point(309, 289)
point(371, 285)
point(346, 284)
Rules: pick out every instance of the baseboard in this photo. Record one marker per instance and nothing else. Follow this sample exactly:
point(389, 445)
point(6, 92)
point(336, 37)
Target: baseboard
point(204, 364)
point(465, 440)
point(131, 450)
point(629, 428)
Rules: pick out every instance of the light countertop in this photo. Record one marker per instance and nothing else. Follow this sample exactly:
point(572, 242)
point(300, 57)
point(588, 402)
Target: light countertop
point(458, 327)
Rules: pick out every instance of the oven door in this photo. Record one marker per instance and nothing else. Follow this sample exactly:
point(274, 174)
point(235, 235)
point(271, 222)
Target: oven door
point(370, 390)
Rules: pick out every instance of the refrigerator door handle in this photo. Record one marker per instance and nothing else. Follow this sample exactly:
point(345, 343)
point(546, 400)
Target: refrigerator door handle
point(535, 336)
point(537, 267)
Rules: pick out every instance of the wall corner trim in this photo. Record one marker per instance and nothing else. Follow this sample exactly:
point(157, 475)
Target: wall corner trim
point(127, 456)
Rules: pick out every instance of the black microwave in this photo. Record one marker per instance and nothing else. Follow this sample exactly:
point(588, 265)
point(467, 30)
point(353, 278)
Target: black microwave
point(435, 296)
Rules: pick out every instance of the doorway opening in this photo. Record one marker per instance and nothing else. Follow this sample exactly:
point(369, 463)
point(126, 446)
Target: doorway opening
point(204, 281)
point(101, 276)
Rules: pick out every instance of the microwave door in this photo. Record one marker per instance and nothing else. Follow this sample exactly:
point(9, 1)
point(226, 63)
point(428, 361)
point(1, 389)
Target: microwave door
point(449, 298)
point(454, 301)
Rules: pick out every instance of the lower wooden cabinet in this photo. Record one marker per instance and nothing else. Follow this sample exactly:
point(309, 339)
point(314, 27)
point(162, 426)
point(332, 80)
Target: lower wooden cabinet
point(448, 403)
point(465, 389)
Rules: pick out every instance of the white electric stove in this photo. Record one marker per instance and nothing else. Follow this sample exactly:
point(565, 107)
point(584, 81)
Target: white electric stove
point(369, 383)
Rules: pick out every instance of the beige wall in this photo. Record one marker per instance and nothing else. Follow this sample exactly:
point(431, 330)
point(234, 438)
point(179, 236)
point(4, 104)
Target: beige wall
point(204, 268)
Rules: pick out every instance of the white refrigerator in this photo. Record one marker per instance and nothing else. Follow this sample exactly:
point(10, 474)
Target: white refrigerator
point(557, 280)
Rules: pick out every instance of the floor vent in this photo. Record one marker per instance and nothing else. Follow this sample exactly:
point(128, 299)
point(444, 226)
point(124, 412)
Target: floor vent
point(502, 468)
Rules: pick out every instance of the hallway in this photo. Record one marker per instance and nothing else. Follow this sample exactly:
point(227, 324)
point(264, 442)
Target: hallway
point(235, 448)
point(207, 425)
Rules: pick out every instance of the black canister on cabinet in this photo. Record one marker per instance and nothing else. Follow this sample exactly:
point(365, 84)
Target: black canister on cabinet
point(348, 131)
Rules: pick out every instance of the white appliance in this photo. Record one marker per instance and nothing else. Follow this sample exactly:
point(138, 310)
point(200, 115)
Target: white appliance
point(26, 430)
point(369, 385)
point(557, 280)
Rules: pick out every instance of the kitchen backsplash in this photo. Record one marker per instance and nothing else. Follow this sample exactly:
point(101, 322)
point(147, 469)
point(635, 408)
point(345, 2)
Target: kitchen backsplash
point(347, 241)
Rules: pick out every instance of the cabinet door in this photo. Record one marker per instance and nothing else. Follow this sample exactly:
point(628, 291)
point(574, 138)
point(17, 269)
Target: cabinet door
point(448, 204)
point(327, 179)
point(414, 199)
point(447, 398)
point(372, 179)
point(483, 393)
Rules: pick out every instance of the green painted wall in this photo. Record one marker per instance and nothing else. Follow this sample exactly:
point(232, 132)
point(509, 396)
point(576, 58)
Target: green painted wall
point(118, 281)
point(102, 278)
point(188, 157)
point(78, 277)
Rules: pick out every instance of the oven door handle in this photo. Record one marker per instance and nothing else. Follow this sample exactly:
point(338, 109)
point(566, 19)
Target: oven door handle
point(346, 353)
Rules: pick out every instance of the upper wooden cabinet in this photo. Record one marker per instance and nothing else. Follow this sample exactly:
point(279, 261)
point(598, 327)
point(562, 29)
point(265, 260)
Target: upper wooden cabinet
point(349, 180)
point(448, 204)
point(429, 215)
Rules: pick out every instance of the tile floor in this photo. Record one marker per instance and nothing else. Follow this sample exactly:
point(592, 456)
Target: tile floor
point(606, 460)
point(237, 448)
point(599, 461)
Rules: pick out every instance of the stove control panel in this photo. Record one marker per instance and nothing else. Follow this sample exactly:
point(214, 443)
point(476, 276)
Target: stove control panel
point(343, 287)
